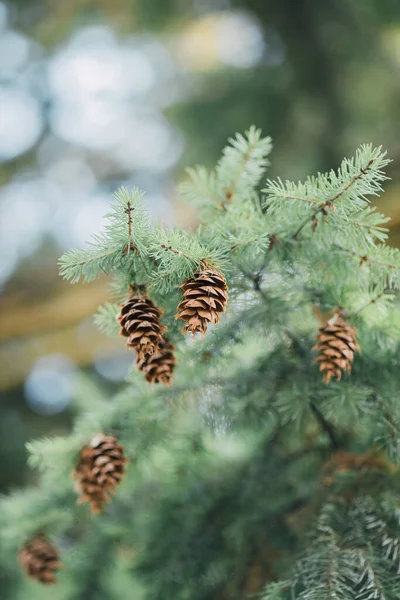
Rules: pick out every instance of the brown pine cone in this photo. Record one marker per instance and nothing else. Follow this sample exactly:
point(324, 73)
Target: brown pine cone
point(336, 344)
point(100, 468)
point(140, 323)
point(205, 295)
point(159, 367)
point(40, 559)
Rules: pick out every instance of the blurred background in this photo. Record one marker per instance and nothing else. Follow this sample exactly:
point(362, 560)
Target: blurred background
point(99, 93)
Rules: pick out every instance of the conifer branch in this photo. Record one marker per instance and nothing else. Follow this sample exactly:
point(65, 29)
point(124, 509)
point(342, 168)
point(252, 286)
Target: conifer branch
point(330, 203)
point(202, 189)
point(89, 264)
point(243, 163)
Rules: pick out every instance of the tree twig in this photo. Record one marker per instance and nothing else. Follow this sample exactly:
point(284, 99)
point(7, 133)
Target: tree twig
point(326, 426)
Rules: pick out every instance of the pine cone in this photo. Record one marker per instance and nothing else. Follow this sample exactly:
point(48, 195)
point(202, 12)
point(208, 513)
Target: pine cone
point(204, 296)
point(40, 559)
point(99, 470)
point(140, 323)
point(336, 344)
point(159, 367)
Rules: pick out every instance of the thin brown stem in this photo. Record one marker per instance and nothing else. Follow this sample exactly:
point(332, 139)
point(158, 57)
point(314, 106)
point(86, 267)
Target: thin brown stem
point(175, 251)
point(129, 210)
point(256, 279)
point(326, 426)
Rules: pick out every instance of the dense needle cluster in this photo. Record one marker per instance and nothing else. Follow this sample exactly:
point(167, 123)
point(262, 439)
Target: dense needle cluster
point(336, 345)
point(40, 559)
point(205, 295)
point(100, 468)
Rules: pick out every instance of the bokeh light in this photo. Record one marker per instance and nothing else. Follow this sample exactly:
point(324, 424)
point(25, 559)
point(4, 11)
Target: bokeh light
point(21, 121)
point(113, 368)
point(240, 40)
point(50, 384)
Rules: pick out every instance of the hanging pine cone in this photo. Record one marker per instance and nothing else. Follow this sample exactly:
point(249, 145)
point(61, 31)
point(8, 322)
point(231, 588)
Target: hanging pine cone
point(205, 295)
point(159, 367)
point(336, 344)
point(40, 559)
point(140, 323)
point(99, 470)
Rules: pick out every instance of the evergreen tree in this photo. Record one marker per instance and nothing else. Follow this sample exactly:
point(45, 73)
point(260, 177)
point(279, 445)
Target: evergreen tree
point(265, 463)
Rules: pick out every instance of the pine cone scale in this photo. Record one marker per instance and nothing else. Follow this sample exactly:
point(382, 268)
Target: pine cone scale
point(100, 469)
point(159, 367)
point(40, 559)
point(336, 345)
point(204, 298)
point(139, 319)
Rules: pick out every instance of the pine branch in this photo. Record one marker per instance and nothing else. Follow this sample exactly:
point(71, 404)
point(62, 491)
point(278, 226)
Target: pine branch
point(237, 174)
point(124, 238)
point(90, 264)
point(243, 163)
point(343, 194)
point(330, 202)
point(202, 189)
point(178, 256)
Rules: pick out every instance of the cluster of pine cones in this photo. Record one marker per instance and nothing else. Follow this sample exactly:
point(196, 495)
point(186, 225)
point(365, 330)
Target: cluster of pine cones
point(101, 464)
point(140, 323)
point(204, 298)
